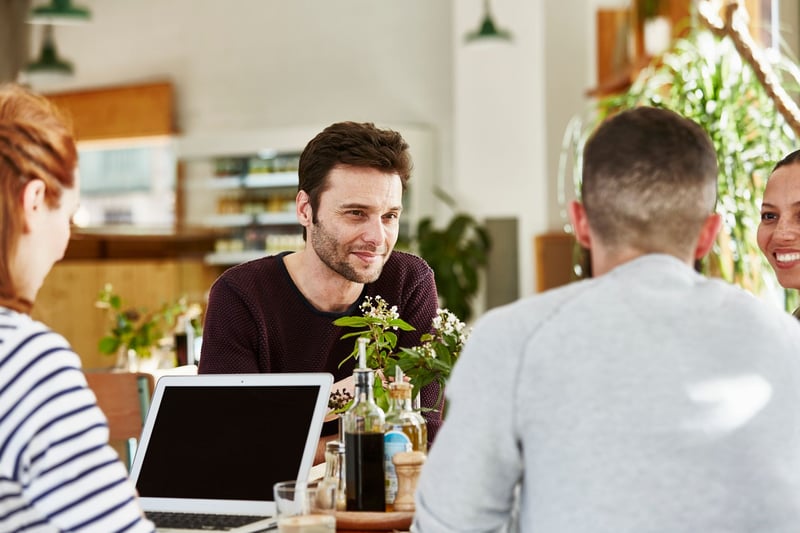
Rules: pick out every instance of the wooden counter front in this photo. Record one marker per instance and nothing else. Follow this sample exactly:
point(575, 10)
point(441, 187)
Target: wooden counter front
point(133, 243)
point(146, 270)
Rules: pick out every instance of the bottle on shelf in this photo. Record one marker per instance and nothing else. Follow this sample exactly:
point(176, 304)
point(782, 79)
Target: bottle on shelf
point(363, 427)
point(405, 431)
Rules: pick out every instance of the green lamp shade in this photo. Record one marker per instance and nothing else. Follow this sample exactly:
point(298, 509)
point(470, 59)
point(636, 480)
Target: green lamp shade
point(49, 62)
point(59, 12)
point(487, 29)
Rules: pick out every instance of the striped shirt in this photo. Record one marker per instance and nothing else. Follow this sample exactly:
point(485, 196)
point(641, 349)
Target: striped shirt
point(57, 471)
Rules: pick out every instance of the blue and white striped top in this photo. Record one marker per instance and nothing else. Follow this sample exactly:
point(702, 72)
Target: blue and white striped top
point(57, 471)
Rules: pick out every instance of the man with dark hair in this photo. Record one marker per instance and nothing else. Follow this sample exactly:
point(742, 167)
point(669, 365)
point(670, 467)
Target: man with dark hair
point(276, 314)
point(648, 399)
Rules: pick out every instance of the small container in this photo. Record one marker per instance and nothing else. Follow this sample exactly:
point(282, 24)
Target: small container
point(334, 472)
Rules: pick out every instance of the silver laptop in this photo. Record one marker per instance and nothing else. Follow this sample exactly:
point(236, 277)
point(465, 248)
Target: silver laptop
point(213, 445)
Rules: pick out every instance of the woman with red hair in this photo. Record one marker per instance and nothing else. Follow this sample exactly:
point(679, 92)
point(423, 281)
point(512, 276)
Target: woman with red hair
point(58, 472)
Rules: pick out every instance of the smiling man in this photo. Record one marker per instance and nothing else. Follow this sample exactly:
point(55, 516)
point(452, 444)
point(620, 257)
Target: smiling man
point(276, 314)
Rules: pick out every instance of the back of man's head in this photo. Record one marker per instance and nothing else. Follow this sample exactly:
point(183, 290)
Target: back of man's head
point(649, 181)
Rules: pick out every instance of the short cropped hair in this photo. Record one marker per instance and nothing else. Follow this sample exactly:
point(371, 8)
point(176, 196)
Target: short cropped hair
point(351, 144)
point(649, 181)
point(36, 143)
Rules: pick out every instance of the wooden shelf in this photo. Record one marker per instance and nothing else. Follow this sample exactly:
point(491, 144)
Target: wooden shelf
point(137, 243)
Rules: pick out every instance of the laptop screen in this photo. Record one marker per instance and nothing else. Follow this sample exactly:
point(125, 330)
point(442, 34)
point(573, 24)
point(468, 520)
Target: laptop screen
point(206, 440)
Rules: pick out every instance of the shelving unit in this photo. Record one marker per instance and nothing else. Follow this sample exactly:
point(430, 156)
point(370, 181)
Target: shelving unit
point(248, 200)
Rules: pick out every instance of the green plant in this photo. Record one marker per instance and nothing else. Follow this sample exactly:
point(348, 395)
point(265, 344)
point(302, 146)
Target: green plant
point(431, 360)
point(456, 253)
point(137, 329)
point(649, 8)
point(704, 77)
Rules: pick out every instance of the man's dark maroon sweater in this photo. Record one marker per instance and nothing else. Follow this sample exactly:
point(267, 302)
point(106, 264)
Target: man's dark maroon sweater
point(258, 321)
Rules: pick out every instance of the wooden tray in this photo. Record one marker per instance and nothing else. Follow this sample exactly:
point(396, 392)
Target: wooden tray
point(373, 520)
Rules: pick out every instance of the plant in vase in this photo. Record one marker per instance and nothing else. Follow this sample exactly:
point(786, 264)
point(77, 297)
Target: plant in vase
point(135, 334)
point(430, 361)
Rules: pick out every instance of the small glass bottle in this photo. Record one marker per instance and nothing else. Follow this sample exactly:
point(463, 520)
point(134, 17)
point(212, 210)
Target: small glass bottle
point(405, 431)
point(334, 472)
point(363, 443)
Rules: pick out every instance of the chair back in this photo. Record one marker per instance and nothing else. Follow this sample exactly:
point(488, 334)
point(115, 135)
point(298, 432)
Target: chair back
point(124, 398)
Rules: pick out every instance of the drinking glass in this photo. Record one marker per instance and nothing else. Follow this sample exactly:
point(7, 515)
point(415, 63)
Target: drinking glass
point(304, 507)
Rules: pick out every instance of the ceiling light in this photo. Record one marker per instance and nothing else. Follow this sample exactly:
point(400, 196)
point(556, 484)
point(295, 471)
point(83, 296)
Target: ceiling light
point(59, 12)
point(49, 62)
point(487, 29)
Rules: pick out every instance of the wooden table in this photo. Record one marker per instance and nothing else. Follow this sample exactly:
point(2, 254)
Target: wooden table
point(370, 522)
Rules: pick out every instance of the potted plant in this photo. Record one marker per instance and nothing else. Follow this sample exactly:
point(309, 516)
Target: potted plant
point(135, 334)
point(705, 78)
point(456, 253)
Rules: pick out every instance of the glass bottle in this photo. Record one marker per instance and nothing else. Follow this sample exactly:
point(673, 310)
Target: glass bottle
point(334, 472)
point(363, 444)
point(405, 431)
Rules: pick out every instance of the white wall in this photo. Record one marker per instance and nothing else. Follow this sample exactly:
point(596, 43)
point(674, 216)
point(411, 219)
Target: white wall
point(499, 134)
point(257, 63)
point(249, 65)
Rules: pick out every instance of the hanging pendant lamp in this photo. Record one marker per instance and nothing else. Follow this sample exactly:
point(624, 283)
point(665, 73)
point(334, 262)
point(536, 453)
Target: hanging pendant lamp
point(487, 29)
point(49, 62)
point(59, 12)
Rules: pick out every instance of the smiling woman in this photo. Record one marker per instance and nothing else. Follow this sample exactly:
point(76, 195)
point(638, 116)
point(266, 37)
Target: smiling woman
point(779, 230)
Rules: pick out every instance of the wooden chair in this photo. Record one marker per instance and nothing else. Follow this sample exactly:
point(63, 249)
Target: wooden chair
point(124, 398)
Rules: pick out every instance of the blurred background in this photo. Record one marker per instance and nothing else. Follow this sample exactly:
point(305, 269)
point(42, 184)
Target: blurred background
point(173, 98)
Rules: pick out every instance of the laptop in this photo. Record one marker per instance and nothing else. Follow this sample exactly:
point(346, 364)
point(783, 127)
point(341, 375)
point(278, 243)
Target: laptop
point(213, 445)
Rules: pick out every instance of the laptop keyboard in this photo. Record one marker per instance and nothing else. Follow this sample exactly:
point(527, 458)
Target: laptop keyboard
point(222, 522)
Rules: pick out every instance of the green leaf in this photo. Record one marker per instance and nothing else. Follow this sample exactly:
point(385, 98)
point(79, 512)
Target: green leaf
point(108, 345)
point(352, 322)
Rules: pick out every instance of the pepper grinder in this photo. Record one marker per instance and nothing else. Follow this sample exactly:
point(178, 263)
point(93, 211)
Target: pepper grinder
point(408, 466)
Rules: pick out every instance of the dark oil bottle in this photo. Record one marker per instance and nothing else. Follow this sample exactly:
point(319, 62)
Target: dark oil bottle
point(363, 427)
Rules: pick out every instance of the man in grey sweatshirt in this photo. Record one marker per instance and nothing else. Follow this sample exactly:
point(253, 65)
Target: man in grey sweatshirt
point(648, 399)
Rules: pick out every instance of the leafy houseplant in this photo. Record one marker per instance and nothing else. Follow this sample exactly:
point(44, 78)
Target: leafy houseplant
point(704, 78)
point(137, 330)
point(432, 360)
point(456, 253)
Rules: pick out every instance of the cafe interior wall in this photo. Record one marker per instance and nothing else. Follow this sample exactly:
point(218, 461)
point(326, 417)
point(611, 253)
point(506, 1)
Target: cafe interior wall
point(497, 109)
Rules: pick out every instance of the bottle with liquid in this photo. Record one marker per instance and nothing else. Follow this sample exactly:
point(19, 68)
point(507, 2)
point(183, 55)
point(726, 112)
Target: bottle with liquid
point(363, 443)
point(405, 431)
point(334, 472)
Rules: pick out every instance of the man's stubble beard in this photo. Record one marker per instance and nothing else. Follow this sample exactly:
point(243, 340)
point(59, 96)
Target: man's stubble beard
point(330, 252)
